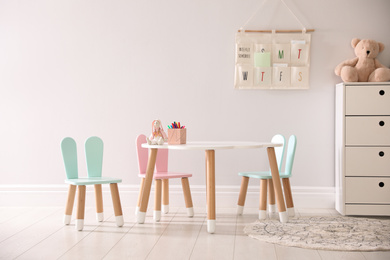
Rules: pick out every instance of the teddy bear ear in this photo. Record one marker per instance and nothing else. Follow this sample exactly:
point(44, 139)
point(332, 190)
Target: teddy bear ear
point(381, 46)
point(354, 42)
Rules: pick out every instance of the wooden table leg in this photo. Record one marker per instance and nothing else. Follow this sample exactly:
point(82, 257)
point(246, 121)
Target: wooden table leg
point(277, 185)
point(210, 191)
point(206, 178)
point(147, 185)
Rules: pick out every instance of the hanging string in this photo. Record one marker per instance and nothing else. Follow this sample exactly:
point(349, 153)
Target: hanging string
point(258, 9)
point(299, 21)
point(250, 18)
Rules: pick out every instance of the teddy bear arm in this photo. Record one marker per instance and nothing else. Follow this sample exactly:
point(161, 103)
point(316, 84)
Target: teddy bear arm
point(351, 62)
point(379, 65)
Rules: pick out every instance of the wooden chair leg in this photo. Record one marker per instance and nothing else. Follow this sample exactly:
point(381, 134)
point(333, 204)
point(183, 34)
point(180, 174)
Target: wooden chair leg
point(69, 204)
point(139, 195)
point(99, 202)
point(165, 196)
point(271, 200)
point(116, 201)
point(157, 201)
point(187, 196)
point(263, 199)
point(242, 196)
point(288, 196)
point(80, 207)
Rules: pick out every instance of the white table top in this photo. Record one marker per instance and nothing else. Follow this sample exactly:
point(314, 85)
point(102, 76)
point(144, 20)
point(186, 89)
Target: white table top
point(213, 145)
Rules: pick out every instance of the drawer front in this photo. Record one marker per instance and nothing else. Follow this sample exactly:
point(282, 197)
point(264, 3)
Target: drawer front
point(367, 130)
point(367, 161)
point(367, 210)
point(367, 190)
point(367, 100)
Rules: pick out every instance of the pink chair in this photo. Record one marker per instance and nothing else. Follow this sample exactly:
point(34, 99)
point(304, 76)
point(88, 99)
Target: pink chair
point(161, 176)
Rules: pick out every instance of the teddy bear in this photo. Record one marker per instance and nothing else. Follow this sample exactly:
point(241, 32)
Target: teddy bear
point(364, 67)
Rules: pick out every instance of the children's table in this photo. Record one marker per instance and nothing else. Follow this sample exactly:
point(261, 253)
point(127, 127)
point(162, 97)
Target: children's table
point(209, 148)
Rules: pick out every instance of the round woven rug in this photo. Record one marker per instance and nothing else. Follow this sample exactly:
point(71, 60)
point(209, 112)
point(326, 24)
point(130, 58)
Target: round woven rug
point(326, 233)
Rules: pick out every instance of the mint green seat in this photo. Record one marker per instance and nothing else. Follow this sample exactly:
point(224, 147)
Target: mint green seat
point(94, 159)
point(266, 179)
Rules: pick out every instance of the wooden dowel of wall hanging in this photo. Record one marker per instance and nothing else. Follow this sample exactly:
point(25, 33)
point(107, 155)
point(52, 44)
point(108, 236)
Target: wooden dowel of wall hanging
point(277, 31)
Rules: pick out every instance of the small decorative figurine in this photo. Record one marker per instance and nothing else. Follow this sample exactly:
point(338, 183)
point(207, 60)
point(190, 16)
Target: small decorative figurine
point(158, 136)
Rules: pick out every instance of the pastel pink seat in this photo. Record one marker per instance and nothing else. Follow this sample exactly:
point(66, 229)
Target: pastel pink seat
point(161, 177)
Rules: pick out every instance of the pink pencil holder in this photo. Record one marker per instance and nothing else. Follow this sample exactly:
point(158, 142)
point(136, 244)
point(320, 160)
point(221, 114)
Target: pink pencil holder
point(177, 136)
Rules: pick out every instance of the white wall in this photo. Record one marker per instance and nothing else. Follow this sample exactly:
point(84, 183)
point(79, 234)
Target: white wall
point(109, 68)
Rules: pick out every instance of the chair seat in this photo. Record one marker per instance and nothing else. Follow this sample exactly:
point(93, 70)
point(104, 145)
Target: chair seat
point(92, 180)
point(262, 175)
point(167, 175)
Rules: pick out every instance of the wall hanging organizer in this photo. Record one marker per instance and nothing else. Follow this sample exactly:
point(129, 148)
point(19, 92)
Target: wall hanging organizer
point(272, 59)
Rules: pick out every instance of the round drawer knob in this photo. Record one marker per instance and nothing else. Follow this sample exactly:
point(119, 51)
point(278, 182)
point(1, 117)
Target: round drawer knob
point(381, 154)
point(381, 184)
point(381, 123)
point(381, 92)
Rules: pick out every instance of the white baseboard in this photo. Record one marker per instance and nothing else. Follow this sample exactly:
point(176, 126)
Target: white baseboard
point(226, 196)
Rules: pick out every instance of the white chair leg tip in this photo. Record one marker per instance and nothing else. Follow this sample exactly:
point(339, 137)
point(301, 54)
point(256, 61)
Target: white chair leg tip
point(79, 224)
point(240, 210)
point(141, 217)
point(165, 209)
point(211, 223)
point(283, 216)
point(157, 215)
point(100, 216)
point(119, 221)
point(67, 219)
point(136, 210)
point(190, 212)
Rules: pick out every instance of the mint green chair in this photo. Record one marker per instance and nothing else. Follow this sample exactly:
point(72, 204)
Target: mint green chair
point(94, 158)
point(266, 179)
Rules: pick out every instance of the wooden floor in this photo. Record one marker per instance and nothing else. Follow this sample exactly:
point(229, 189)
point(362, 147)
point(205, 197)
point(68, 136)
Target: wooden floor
point(38, 233)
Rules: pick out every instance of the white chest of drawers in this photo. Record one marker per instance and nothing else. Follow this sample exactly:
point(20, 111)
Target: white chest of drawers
point(362, 148)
